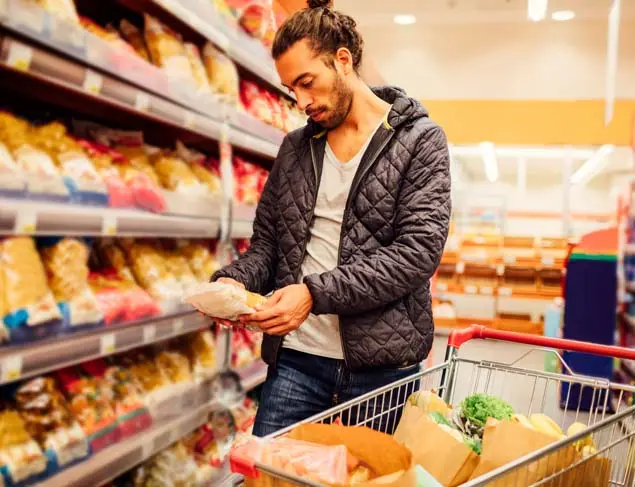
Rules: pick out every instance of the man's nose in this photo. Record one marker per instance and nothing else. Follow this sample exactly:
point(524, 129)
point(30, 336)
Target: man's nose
point(303, 101)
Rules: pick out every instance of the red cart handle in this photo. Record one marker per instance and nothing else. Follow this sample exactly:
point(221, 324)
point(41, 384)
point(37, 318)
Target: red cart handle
point(459, 337)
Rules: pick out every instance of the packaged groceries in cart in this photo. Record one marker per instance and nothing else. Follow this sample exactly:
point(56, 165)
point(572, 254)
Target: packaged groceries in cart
point(467, 423)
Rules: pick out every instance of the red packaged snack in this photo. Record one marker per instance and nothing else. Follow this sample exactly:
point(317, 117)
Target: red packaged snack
point(90, 406)
point(255, 102)
point(276, 109)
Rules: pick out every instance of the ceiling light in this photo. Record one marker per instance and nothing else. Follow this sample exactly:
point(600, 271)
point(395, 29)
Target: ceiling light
point(593, 166)
point(405, 19)
point(537, 9)
point(563, 15)
point(488, 152)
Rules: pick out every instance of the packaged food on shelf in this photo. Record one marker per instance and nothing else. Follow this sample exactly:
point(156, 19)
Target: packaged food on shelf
point(152, 379)
point(62, 9)
point(253, 339)
point(244, 417)
point(22, 461)
point(167, 50)
point(241, 245)
point(198, 69)
point(223, 301)
point(207, 170)
point(175, 365)
point(221, 72)
point(108, 34)
point(84, 182)
point(255, 102)
point(31, 312)
point(202, 260)
point(200, 348)
point(172, 466)
point(249, 180)
point(178, 266)
point(43, 178)
point(211, 443)
point(49, 421)
point(134, 36)
point(175, 174)
point(89, 405)
point(66, 263)
point(120, 389)
point(277, 115)
point(254, 17)
point(151, 272)
point(241, 350)
point(12, 181)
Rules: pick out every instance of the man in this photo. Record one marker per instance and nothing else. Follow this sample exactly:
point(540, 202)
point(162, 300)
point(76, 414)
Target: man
point(350, 228)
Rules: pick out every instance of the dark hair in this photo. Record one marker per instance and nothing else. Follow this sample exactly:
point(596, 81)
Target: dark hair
point(326, 30)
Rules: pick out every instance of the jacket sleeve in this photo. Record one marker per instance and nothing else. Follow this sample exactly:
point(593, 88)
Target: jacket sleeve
point(256, 269)
point(421, 222)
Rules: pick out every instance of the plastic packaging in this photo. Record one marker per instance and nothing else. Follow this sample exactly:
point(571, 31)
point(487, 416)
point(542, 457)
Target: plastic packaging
point(49, 421)
point(12, 181)
point(167, 50)
point(21, 458)
point(200, 348)
point(202, 260)
point(175, 174)
point(320, 463)
point(255, 101)
point(62, 9)
point(178, 266)
point(133, 35)
point(198, 69)
point(66, 264)
point(221, 72)
point(223, 301)
point(174, 365)
point(31, 312)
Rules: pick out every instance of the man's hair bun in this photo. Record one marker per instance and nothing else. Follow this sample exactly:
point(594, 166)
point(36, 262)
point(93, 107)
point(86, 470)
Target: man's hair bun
point(319, 3)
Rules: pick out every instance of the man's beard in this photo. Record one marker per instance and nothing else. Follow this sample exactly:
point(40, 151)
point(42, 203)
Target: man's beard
point(341, 101)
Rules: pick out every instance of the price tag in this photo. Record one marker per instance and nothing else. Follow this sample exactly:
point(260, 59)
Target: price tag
point(178, 325)
point(509, 259)
point(149, 333)
point(142, 101)
point(189, 120)
point(460, 267)
point(11, 368)
point(93, 82)
point(107, 344)
point(487, 290)
point(500, 269)
point(471, 289)
point(25, 222)
point(109, 225)
point(504, 291)
point(20, 56)
point(547, 261)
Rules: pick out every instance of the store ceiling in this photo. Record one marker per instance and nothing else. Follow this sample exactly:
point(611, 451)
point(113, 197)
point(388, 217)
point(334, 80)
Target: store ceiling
point(470, 11)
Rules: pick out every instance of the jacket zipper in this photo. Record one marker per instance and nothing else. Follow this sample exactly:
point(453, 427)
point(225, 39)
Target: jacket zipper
point(356, 181)
point(317, 188)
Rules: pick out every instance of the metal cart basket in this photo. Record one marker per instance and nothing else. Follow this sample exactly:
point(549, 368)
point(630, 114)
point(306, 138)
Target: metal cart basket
point(566, 397)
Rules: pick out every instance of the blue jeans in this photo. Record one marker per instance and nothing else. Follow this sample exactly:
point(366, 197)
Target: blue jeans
point(302, 385)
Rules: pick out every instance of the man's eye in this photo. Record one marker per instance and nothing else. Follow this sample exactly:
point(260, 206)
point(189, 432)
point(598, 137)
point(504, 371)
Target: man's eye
point(307, 84)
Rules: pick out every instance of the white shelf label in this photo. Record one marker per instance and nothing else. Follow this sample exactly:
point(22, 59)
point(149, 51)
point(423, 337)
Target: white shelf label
point(25, 222)
point(442, 286)
point(107, 344)
point(189, 120)
point(142, 101)
point(11, 368)
point(500, 269)
point(149, 333)
point(93, 82)
point(109, 225)
point(20, 56)
point(547, 261)
point(504, 291)
point(487, 290)
point(178, 325)
point(460, 267)
point(471, 289)
point(509, 259)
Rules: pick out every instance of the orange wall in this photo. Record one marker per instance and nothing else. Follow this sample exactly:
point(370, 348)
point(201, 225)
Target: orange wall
point(533, 122)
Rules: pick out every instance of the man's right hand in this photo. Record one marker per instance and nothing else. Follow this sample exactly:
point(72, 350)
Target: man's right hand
point(231, 282)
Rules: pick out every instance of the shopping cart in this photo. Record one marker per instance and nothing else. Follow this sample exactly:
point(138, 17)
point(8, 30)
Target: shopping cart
point(611, 421)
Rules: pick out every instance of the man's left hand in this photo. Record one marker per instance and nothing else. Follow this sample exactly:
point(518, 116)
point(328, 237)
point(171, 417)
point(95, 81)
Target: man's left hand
point(284, 312)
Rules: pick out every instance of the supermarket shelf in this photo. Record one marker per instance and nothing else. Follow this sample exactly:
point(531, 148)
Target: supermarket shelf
point(201, 17)
point(40, 66)
point(22, 361)
point(49, 218)
point(252, 375)
point(121, 457)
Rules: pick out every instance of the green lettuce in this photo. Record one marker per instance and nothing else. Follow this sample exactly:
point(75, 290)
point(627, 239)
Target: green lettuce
point(478, 407)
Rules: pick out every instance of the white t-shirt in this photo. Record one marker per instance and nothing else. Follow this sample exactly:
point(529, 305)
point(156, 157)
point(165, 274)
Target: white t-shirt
point(320, 335)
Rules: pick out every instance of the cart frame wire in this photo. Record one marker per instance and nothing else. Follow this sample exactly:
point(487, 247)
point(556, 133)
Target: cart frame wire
point(611, 424)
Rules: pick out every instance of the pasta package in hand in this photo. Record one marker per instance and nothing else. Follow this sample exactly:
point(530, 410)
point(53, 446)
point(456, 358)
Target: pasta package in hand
point(30, 308)
point(66, 264)
point(223, 301)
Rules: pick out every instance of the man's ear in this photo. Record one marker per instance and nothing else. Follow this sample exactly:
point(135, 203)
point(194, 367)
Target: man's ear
point(345, 59)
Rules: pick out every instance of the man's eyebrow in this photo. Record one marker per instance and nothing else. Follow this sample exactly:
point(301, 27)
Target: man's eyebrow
point(298, 78)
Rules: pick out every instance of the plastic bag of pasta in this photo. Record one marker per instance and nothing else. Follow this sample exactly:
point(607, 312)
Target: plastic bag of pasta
point(198, 70)
point(66, 264)
point(202, 260)
point(167, 50)
point(31, 312)
point(221, 72)
point(175, 174)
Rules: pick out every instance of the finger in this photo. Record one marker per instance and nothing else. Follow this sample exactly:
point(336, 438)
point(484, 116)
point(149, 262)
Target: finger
point(265, 314)
point(265, 325)
point(273, 300)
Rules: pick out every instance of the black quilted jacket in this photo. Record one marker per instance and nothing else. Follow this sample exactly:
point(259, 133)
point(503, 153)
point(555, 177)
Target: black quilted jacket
point(394, 229)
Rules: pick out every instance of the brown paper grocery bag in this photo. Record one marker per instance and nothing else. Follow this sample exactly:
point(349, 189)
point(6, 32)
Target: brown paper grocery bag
point(506, 441)
point(450, 462)
point(594, 472)
point(391, 461)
